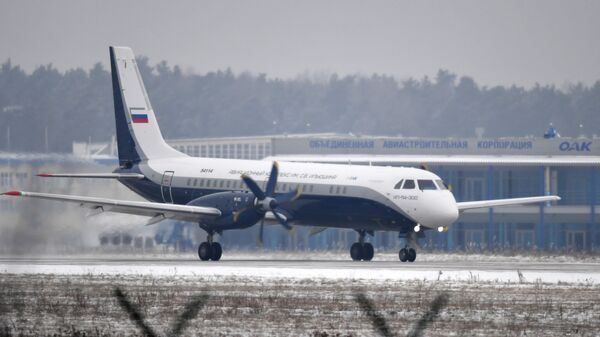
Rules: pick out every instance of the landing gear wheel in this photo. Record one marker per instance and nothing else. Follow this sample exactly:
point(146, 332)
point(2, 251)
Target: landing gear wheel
point(367, 251)
point(412, 255)
point(403, 255)
point(216, 251)
point(204, 251)
point(356, 251)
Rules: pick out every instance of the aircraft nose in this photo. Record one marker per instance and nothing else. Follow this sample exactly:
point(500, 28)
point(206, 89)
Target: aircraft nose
point(448, 214)
point(442, 212)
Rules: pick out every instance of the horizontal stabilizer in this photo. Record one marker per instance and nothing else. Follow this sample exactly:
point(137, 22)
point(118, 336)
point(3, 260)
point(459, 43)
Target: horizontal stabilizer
point(463, 206)
point(93, 175)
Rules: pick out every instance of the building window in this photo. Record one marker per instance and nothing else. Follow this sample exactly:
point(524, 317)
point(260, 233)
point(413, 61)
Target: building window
point(246, 154)
point(261, 151)
point(211, 151)
point(238, 153)
point(189, 150)
point(225, 151)
point(253, 151)
point(196, 150)
point(203, 151)
point(232, 151)
point(267, 149)
point(218, 151)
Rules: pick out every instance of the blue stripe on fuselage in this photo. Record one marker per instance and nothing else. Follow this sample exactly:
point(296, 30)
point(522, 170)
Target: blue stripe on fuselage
point(309, 209)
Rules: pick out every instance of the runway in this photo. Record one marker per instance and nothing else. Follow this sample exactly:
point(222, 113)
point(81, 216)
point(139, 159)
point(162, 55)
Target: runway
point(445, 268)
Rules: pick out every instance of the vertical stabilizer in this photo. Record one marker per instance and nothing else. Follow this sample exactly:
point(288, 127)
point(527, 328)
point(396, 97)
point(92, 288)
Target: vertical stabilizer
point(138, 135)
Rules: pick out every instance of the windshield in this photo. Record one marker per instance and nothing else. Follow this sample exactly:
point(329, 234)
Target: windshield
point(426, 185)
point(441, 184)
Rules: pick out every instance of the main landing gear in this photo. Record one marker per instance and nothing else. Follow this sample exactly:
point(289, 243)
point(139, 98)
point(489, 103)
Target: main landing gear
point(210, 250)
point(362, 250)
point(408, 253)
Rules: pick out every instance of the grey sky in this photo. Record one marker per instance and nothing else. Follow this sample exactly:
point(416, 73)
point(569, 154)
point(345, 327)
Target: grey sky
point(496, 42)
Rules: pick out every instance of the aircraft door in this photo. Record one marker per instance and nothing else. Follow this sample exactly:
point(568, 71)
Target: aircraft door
point(165, 188)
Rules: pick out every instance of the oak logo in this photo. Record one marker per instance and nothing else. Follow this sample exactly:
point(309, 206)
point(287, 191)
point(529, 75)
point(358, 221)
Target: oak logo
point(575, 146)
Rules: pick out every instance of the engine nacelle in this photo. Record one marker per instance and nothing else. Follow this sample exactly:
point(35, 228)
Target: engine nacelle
point(230, 203)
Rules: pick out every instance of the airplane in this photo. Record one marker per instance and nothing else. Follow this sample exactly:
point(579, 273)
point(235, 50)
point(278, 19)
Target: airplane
point(209, 191)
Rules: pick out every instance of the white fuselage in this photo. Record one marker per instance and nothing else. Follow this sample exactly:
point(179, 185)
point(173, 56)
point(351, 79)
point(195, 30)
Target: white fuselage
point(428, 207)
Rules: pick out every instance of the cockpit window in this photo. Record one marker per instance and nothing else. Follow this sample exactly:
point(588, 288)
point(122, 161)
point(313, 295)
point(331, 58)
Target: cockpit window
point(427, 185)
point(397, 187)
point(441, 184)
point(408, 185)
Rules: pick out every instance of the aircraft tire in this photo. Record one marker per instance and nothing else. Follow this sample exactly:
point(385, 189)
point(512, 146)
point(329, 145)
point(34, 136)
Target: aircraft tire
point(356, 251)
point(216, 251)
point(412, 255)
point(204, 251)
point(368, 251)
point(403, 255)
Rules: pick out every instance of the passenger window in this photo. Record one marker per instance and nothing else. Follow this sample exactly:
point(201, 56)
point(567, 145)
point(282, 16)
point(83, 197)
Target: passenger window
point(189, 181)
point(397, 187)
point(426, 185)
point(337, 190)
point(311, 188)
point(408, 185)
point(441, 184)
point(221, 183)
point(196, 182)
point(330, 189)
point(344, 190)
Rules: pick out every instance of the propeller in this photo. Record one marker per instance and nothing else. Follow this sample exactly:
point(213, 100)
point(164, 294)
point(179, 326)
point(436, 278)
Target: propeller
point(267, 201)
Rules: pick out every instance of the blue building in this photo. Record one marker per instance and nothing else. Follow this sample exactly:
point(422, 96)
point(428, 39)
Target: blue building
point(474, 168)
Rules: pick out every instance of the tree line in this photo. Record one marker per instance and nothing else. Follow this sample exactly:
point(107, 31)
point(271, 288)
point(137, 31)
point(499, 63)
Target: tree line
point(51, 108)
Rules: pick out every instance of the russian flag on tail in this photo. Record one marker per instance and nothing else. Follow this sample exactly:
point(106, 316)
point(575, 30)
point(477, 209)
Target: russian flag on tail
point(139, 118)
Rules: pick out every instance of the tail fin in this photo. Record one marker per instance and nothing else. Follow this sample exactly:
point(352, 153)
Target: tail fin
point(138, 135)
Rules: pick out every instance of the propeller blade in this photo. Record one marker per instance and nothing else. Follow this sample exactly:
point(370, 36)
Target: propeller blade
point(260, 232)
point(288, 196)
point(282, 220)
point(270, 189)
point(253, 186)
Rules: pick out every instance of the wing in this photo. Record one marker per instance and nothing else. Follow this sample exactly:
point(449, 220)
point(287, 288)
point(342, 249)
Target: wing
point(93, 175)
point(157, 211)
point(463, 206)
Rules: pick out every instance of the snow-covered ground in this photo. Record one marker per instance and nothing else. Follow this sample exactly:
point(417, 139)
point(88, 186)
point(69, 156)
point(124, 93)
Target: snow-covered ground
point(250, 305)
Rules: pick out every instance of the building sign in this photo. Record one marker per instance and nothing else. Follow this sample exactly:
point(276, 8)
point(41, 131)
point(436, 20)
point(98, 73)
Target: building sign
point(439, 146)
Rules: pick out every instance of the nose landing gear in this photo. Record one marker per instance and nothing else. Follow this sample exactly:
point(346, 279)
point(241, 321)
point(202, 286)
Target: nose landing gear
point(408, 253)
point(362, 250)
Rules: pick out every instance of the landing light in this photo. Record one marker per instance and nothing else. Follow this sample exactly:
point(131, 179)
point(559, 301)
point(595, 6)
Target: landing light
point(417, 228)
point(441, 229)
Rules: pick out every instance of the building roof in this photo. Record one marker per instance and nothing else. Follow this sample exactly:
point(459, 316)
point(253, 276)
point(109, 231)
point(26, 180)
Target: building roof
point(462, 160)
